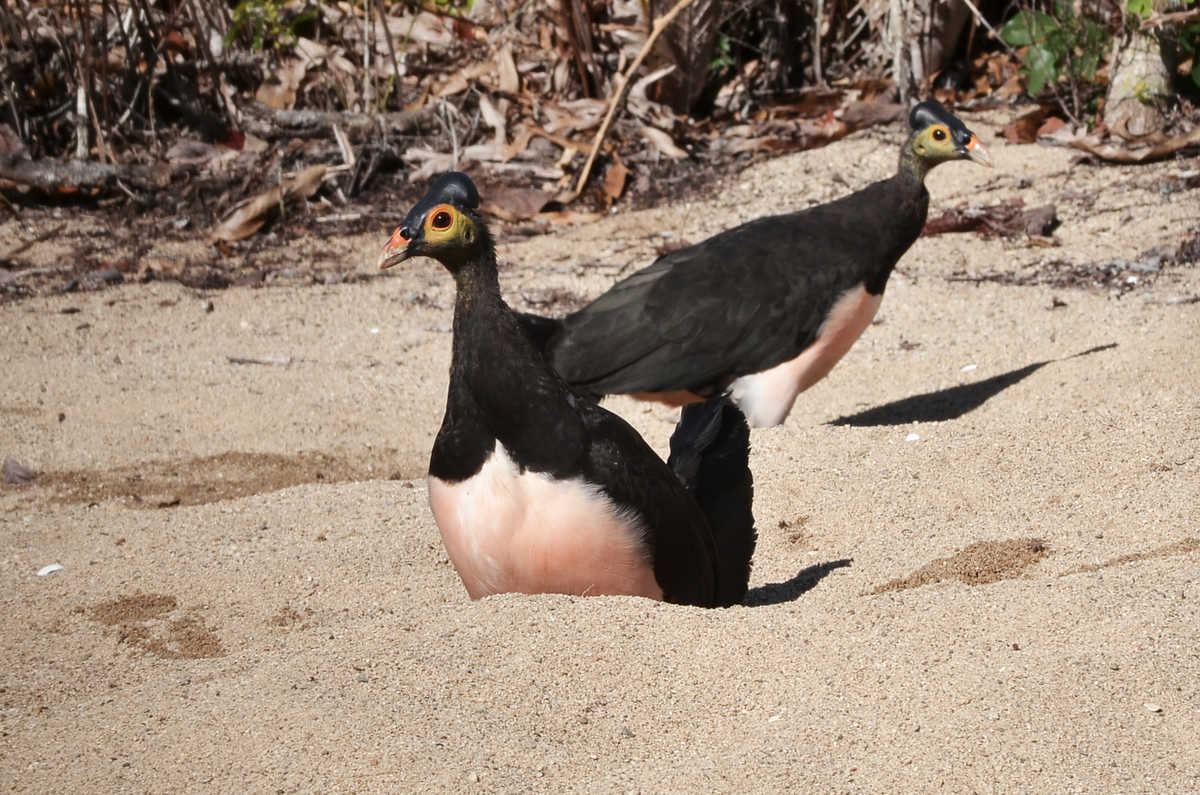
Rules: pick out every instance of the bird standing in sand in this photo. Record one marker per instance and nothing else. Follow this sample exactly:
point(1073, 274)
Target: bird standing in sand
point(538, 490)
point(762, 311)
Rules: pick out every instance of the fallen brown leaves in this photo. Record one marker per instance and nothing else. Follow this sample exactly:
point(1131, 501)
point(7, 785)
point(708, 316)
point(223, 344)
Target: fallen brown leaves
point(1007, 219)
point(250, 216)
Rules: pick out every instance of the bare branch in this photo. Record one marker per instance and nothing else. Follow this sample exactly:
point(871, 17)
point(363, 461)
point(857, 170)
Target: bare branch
point(51, 175)
point(618, 96)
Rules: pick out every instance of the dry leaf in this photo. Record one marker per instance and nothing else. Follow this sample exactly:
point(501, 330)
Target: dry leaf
point(1009, 219)
point(249, 217)
point(461, 80)
point(1050, 127)
point(614, 180)
point(305, 183)
point(510, 80)
point(280, 93)
point(576, 115)
point(494, 119)
point(1119, 153)
point(663, 143)
point(313, 51)
point(1024, 129)
point(568, 154)
point(868, 114)
point(428, 162)
point(515, 204)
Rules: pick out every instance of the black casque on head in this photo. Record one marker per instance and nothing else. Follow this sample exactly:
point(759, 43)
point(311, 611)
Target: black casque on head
point(453, 187)
point(932, 112)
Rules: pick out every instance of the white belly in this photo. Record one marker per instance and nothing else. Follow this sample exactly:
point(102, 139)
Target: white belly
point(767, 397)
point(507, 531)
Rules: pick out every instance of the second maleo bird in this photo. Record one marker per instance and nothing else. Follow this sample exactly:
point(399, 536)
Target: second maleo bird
point(762, 311)
point(536, 489)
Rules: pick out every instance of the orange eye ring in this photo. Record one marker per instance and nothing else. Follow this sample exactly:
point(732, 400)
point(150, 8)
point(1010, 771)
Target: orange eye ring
point(442, 218)
point(940, 133)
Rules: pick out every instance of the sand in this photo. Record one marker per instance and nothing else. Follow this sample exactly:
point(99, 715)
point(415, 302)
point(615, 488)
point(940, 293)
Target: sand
point(978, 565)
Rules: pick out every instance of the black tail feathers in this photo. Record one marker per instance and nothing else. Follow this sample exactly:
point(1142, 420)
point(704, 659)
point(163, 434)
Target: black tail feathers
point(710, 454)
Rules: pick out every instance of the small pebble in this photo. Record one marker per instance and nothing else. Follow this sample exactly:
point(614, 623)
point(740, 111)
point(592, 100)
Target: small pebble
point(912, 437)
point(1152, 707)
point(16, 473)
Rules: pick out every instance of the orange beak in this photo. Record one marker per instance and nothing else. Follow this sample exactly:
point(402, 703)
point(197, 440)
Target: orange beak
point(396, 250)
point(978, 152)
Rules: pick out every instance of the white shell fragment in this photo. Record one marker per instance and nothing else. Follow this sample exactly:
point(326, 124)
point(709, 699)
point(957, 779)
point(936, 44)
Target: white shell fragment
point(912, 437)
point(968, 367)
point(53, 567)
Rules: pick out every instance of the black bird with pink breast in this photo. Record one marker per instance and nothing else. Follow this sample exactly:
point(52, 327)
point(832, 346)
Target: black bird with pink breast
point(762, 311)
point(538, 490)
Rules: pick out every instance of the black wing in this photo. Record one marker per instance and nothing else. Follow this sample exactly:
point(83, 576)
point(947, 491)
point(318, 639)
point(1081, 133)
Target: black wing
point(739, 302)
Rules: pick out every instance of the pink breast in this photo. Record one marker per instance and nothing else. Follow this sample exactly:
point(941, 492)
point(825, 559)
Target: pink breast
point(507, 531)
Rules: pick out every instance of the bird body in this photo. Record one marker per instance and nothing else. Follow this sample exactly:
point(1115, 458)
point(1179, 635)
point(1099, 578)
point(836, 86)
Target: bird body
point(763, 310)
point(767, 396)
point(509, 530)
point(535, 489)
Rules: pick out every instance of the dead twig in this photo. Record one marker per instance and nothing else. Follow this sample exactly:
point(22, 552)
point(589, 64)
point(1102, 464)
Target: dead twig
point(614, 102)
point(1161, 147)
point(276, 361)
point(270, 123)
point(387, 35)
point(1170, 18)
point(52, 175)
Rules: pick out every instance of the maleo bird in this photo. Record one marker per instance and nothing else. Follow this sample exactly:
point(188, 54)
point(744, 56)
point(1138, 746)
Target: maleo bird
point(538, 490)
point(762, 311)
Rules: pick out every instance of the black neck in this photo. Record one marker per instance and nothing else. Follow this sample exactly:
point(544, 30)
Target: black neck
point(501, 389)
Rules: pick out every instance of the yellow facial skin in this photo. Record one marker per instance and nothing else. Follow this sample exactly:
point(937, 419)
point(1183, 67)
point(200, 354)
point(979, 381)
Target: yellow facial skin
point(935, 144)
point(444, 226)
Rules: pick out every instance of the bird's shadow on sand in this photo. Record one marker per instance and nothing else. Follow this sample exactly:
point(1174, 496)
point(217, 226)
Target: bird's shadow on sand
point(949, 404)
point(776, 593)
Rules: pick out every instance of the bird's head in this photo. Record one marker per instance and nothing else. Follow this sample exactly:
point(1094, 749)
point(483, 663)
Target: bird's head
point(443, 225)
point(939, 136)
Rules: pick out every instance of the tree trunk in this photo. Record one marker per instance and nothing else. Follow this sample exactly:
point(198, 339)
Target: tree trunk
point(1139, 88)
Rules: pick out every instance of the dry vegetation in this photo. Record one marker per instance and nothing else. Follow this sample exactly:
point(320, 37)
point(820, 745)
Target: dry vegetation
point(218, 120)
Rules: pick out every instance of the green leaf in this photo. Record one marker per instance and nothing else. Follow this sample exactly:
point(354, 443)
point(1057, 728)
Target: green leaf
point(1041, 66)
point(1087, 65)
point(1142, 8)
point(1028, 27)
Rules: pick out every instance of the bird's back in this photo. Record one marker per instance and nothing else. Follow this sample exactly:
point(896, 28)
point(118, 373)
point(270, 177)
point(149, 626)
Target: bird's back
point(739, 302)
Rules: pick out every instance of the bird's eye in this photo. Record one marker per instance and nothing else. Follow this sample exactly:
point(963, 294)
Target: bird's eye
point(441, 221)
point(939, 134)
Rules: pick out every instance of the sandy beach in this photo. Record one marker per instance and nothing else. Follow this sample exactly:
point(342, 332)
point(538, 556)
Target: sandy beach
point(978, 565)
